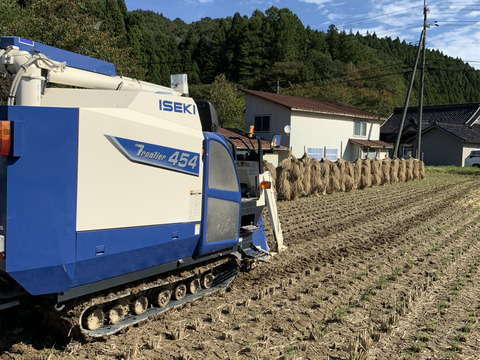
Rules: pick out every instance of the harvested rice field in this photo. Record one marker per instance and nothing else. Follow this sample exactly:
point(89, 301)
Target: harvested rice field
point(387, 272)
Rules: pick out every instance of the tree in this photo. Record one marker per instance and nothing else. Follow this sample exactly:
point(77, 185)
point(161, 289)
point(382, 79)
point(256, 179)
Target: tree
point(229, 103)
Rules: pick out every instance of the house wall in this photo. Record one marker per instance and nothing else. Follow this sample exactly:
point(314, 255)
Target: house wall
point(279, 117)
point(439, 148)
point(313, 130)
point(309, 129)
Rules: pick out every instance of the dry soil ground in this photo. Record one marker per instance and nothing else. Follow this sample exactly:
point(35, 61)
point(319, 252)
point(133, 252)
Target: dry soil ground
point(389, 272)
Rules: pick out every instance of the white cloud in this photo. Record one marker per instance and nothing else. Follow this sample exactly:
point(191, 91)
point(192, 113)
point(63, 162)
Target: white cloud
point(460, 43)
point(200, 2)
point(319, 3)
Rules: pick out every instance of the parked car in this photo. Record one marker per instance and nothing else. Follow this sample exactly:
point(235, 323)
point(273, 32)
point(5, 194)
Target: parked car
point(473, 159)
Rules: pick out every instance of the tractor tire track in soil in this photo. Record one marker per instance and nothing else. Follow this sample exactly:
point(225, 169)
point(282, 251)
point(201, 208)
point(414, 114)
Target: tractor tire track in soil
point(388, 272)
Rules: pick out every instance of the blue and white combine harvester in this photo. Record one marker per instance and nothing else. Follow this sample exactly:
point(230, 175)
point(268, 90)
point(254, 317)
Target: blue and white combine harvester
point(118, 198)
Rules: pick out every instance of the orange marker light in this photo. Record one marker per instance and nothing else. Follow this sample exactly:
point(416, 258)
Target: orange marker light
point(250, 131)
point(4, 138)
point(265, 185)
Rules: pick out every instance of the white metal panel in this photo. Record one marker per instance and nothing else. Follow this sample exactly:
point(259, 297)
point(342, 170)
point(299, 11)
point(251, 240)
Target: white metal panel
point(143, 102)
point(114, 192)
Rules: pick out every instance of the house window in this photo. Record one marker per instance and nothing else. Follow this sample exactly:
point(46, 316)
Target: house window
point(372, 153)
point(262, 123)
point(318, 153)
point(360, 128)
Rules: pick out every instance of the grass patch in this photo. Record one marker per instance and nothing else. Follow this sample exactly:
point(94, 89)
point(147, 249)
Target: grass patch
point(453, 170)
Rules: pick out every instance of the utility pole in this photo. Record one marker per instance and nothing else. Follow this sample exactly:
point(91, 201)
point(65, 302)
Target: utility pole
point(422, 80)
point(407, 99)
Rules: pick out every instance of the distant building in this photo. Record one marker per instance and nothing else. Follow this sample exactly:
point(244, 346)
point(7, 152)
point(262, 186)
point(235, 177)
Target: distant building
point(319, 128)
point(449, 132)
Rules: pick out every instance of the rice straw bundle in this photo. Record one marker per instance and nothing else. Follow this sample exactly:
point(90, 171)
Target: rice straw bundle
point(422, 170)
point(416, 169)
point(409, 163)
point(341, 165)
point(325, 175)
point(402, 170)
point(307, 174)
point(349, 176)
point(334, 178)
point(283, 179)
point(376, 168)
point(386, 163)
point(366, 174)
point(357, 168)
point(316, 184)
point(394, 169)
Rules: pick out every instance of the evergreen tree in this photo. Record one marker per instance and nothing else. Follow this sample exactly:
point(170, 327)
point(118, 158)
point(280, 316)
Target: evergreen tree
point(229, 103)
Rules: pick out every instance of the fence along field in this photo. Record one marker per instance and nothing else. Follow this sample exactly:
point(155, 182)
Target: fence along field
point(307, 176)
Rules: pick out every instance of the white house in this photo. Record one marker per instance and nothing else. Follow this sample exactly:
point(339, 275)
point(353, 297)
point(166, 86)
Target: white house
point(319, 128)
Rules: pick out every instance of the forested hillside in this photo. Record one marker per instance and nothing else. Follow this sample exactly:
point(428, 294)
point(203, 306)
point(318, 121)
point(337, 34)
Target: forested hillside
point(256, 52)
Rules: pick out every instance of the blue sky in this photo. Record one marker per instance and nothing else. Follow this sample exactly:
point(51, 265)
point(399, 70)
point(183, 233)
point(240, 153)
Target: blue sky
point(457, 33)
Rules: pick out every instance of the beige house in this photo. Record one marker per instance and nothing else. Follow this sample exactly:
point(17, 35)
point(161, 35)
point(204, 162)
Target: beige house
point(319, 128)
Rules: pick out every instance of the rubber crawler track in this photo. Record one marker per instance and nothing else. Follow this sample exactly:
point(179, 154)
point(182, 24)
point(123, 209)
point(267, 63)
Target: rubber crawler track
point(74, 318)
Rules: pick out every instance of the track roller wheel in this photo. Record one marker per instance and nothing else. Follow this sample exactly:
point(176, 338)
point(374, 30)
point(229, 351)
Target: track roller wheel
point(118, 312)
point(94, 319)
point(162, 298)
point(194, 286)
point(139, 305)
point(180, 291)
point(207, 280)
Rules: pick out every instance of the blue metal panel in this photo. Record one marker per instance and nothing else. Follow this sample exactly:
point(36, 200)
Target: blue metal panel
point(104, 254)
point(258, 237)
point(72, 59)
point(41, 201)
point(18, 138)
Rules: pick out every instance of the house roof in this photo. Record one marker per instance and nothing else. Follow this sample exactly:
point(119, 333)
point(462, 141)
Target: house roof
point(462, 132)
point(457, 114)
point(298, 103)
point(239, 144)
point(373, 144)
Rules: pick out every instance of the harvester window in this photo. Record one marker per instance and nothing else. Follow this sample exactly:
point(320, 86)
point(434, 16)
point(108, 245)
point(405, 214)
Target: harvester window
point(222, 220)
point(222, 174)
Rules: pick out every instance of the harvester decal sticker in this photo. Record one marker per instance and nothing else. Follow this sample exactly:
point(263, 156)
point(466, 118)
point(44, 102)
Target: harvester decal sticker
point(160, 156)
